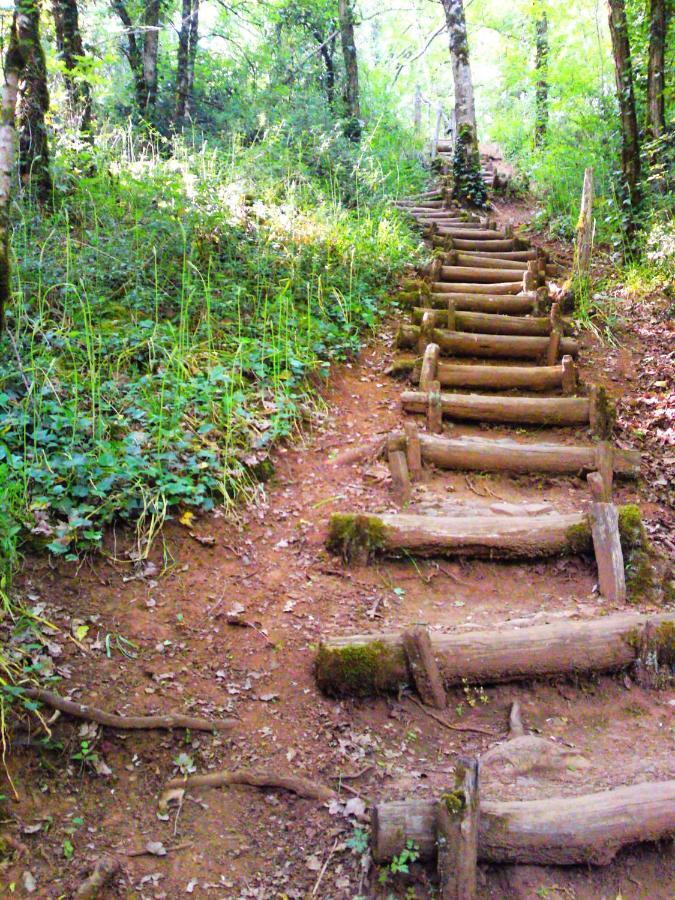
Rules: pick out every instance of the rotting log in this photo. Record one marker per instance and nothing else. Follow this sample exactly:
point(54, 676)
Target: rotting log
point(556, 831)
point(529, 378)
point(356, 536)
point(457, 816)
point(487, 323)
point(551, 411)
point(365, 665)
point(464, 343)
point(472, 287)
point(507, 455)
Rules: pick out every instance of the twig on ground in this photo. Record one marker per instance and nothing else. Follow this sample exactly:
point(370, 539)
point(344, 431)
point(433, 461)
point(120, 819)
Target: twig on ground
point(323, 869)
point(175, 847)
point(441, 721)
point(93, 714)
point(303, 787)
point(452, 575)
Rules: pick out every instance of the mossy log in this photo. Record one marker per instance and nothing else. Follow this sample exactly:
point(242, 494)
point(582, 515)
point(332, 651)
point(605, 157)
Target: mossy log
point(552, 411)
point(465, 343)
point(488, 323)
point(507, 455)
point(457, 815)
point(357, 537)
point(555, 831)
point(363, 665)
point(472, 287)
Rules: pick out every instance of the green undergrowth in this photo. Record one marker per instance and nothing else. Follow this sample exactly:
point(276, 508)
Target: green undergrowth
point(174, 316)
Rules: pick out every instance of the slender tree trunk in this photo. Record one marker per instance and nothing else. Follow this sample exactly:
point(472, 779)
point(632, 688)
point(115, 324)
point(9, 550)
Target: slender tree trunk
point(327, 49)
point(12, 66)
point(192, 55)
point(71, 50)
point(133, 54)
point(351, 88)
point(468, 182)
point(33, 102)
point(187, 51)
point(150, 51)
point(630, 146)
point(656, 108)
point(541, 68)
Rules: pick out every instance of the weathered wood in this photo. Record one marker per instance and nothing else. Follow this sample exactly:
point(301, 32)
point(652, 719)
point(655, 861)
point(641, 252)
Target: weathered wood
point(423, 666)
point(608, 553)
point(521, 255)
point(457, 833)
point(463, 343)
point(488, 656)
point(428, 372)
point(494, 536)
point(584, 237)
point(413, 449)
point(400, 477)
point(498, 408)
point(486, 323)
point(489, 303)
point(487, 262)
point(472, 287)
point(569, 377)
point(555, 831)
point(476, 274)
point(601, 410)
point(529, 378)
point(426, 331)
point(507, 455)
point(434, 408)
point(450, 316)
point(605, 461)
point(466, 244)
point(474, 234)
point(553, 348)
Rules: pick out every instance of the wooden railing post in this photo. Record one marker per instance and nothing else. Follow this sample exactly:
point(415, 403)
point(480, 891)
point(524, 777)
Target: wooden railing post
point(584, 238)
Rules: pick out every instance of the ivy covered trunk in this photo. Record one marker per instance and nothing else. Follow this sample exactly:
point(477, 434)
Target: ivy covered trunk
point(630, 146)
point(351, 87)
point(187, 52)
point(71, 51)
point(33, 102)
point(541, 70)
point(467, 179)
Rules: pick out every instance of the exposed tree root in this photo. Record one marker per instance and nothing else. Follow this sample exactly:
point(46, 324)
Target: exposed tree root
point(93, 714)
point(303, 787)
point(441, 721)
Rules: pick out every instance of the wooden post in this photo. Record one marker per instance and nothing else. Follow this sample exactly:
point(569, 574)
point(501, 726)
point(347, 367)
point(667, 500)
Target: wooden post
point(429, 371)
point(508, 230)
point(426, 335)
point(398, 466)
point(457, 833)
point(569, 376)
point(423, 667)
point(607, 545)
point(553, 348)
point(601, 414)
point(413, 450)
point(435, 408)
point(584, 239)
point(604, 455)
point(451, 316)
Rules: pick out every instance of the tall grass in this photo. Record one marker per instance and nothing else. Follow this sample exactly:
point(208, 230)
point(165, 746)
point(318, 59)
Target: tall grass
point(173, 315)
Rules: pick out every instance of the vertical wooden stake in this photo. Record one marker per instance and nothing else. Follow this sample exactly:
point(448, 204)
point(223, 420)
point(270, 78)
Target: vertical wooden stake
point(569, 376)
point(426, 336)
point(607, 545)
point(508, 231)
point(435, 408)
point(413, 451)
point(584, 239)
point(451, 316)
point(429, 370)
point(604, 456)
point(553, 348)
point(400, 478)
point(601, 415)
point(457, 828)
point(423, 667)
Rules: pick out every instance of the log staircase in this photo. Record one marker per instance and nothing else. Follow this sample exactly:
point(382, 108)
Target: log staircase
point(482, 342)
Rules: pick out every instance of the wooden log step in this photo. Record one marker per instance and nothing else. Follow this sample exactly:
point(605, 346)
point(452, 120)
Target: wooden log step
point(506, 455)
point(463, 343)
point(482, 262)
point(486, 323)
point(472, 287)
point(479, 274)
point(553, 411)
point(561, 831)
point(522, 255)
point(491, 656)
point(355, 536)
point(500, 378)
point(471, 244)
point(416, 204)
point(490, 303)
point(474, 234)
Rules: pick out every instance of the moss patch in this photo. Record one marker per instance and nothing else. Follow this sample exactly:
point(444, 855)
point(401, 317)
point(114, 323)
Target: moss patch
point(416, 286)
point(605, 415)
point(356, 538)
point(360, 670)
point(455, 802)
point(655, 648)
point(579, 538)
point(637, 553)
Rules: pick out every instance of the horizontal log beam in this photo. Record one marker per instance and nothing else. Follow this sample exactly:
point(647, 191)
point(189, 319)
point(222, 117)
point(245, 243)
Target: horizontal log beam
point(529, 378)
point(487, 323)
point(465, 243)
point(555, 831)
point(471, 287)
point(479, 274)
point(365, 665)
point(485, 262)
point(553, 411)
point(474, 234)
point(509, 304)
point(463, 343)
point(515, 255)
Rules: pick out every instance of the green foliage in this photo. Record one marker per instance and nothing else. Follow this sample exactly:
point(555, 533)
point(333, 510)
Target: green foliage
point(400, 864)
point(468, 184)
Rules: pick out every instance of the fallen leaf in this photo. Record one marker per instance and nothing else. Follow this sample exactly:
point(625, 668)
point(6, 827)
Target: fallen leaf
point(186, 518)
point(313, 863)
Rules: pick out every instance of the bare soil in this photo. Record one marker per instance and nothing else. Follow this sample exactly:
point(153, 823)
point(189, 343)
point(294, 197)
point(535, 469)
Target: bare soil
point(269, 568)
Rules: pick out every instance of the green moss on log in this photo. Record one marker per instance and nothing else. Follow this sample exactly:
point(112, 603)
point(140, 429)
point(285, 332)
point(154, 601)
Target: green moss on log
point(605, 415)
point(360, 670)
point(417, 286)
point(655, 652)
point(637, 553)
point(579, 538)
point(455, 801)
point(356, 538)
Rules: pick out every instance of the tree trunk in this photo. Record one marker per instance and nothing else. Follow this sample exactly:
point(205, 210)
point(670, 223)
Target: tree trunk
point(326, 51)
point(185, 71)
point(630, 147)
point(33, 102)
point(71, 51)
point(493, 656)
point(12, 66)
point(150, 51)
point(134, 57)
point(559, 831)
point(541, 69)
point(351, 87)
point(656, 108)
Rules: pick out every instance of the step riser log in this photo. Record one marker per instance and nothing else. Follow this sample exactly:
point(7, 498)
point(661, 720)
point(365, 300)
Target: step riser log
point(551, 411)
point(467, 259)
point(479, 274)
point(514, 255)
point(474, 234)
point(465, 244)
point(500, 378)
point(460, 287)
point(462, 343)
point(485, 323)
point(508, 304)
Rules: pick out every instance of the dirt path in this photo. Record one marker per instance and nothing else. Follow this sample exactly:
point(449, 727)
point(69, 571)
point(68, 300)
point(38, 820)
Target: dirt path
point(271, 571)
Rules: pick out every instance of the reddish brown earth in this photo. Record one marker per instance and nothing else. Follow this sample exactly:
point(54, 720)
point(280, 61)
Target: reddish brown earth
point(270, 567)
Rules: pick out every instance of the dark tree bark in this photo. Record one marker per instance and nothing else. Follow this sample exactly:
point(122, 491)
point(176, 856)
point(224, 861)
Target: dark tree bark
point(541, 69)
point(70, 50)
point(351, 87)
point(150, 51)
point(141, 50)
point(132, 51)
point(327, 50)
point(630, 145)
point(187, 52)
point(656, 107)
point(33, 102)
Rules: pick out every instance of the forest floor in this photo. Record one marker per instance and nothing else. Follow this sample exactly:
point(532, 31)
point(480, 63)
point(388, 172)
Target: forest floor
point(269, 572)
